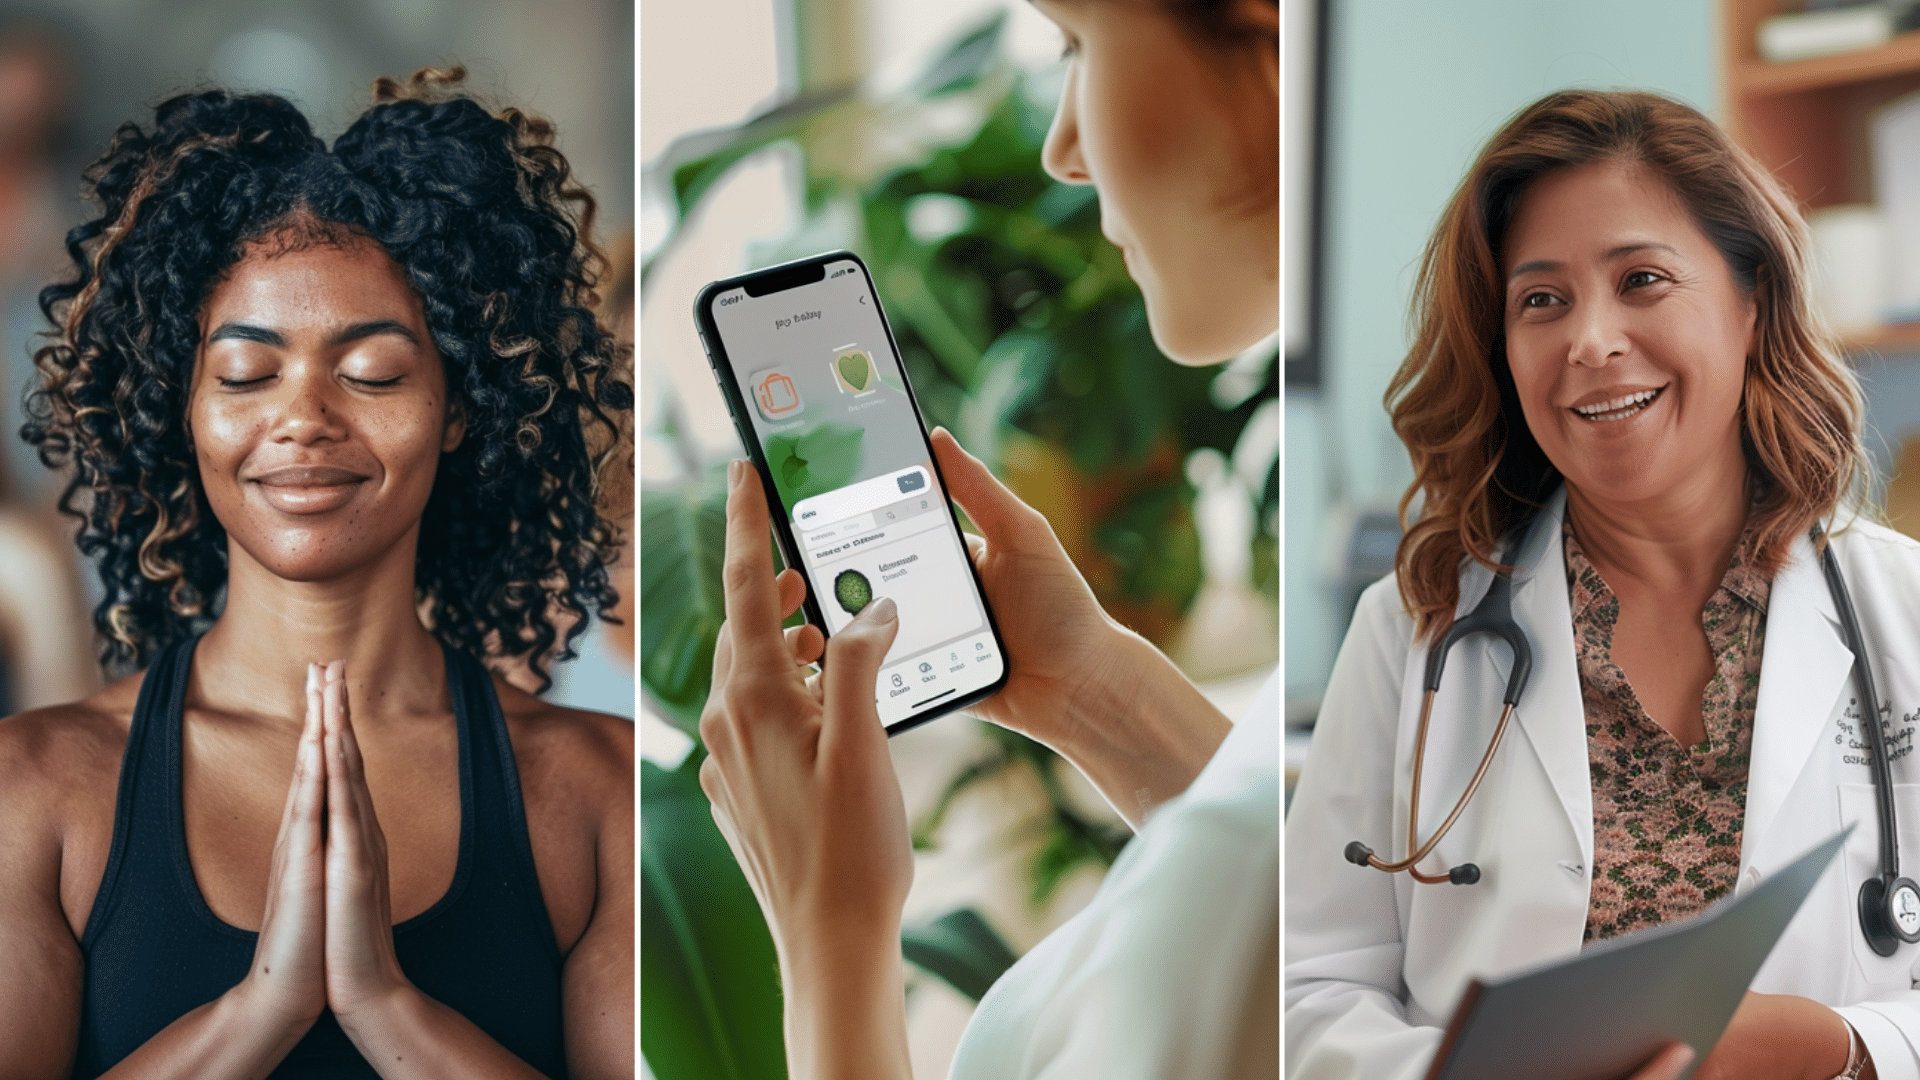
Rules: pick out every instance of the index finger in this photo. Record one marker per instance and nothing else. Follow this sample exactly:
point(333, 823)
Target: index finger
point(752, 597)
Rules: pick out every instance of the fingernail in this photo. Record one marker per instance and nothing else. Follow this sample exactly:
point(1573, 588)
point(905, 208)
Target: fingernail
point(882, 610)
point(733, 472)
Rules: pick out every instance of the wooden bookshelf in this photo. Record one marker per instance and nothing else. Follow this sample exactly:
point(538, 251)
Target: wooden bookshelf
point(1901, 340)
point(1807, 120)
point(1757, 78)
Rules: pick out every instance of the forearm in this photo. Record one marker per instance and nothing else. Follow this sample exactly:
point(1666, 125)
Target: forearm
point(846, 1012)
point(1139, 729)
point(409, 1036)
point(228, 1038)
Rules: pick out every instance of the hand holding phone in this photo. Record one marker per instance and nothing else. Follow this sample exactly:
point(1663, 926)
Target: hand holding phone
point(813, 379)
point(1096, 692)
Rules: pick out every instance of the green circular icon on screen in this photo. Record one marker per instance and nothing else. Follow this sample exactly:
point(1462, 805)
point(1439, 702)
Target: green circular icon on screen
point(852, 589)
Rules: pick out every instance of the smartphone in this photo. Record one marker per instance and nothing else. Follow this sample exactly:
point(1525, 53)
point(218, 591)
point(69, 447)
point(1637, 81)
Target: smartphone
point(813, 379)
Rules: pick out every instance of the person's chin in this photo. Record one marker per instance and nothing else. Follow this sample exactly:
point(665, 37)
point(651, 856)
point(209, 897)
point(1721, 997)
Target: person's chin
point(1193, 336)
point(299, 555)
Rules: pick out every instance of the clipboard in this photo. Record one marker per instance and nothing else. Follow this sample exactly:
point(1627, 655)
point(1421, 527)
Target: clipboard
point(1605, 1012)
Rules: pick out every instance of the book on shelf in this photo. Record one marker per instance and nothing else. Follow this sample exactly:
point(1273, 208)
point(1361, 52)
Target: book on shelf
point(1802, 35)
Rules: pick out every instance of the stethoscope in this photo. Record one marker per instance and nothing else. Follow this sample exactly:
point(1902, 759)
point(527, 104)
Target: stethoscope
point(1889, 903)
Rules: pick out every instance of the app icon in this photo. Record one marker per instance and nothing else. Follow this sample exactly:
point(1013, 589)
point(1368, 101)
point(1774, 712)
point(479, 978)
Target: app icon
point(775, 394)
point(853, 371)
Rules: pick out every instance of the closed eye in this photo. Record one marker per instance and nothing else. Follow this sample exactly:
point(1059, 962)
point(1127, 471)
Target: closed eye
point(395, 381)
point(241, 384)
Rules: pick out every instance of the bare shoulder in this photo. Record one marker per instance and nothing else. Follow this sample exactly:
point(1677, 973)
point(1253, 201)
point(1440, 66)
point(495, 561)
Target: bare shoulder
point(59, 777)
point(568, 754)
point(69, 746)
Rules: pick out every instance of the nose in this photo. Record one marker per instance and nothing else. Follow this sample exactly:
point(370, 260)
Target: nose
point(1599, 334)
point(308, 414)
point(1060, 155)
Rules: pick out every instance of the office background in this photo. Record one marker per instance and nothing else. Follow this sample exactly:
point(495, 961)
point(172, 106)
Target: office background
point(1408, 95)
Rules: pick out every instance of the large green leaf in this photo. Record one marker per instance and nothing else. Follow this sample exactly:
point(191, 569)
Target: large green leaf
point(960, 67)
point(814, 461)
point(961, 949)
point(708, 973)
point(682, 541)
point(692, 164)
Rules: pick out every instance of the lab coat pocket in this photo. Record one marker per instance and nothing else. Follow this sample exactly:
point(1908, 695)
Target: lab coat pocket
point(1860, 860)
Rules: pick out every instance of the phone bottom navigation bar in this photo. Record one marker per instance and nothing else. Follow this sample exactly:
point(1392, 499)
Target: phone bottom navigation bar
point(938, 673)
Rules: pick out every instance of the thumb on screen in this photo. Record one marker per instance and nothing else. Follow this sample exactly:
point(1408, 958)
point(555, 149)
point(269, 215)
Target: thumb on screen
point(853, 665)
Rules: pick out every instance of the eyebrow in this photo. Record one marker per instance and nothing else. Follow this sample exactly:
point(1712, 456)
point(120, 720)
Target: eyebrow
point(358, 331)
point(1612, 253)
point(243, 332)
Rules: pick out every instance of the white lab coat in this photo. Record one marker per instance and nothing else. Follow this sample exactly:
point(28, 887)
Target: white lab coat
point(1150, 980)
point(1376, 962)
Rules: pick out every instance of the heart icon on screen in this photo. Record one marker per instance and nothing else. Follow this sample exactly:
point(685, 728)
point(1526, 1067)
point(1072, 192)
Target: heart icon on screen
point(855, 369)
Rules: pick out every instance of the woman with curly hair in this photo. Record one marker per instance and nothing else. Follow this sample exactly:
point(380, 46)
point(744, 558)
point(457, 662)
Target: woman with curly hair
point(327, 416)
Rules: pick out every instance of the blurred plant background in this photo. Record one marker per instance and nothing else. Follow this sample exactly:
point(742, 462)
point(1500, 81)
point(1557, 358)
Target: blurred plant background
point(1023, 334)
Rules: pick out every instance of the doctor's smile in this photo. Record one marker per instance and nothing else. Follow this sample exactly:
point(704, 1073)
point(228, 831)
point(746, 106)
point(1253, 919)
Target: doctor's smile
point(1613, 408)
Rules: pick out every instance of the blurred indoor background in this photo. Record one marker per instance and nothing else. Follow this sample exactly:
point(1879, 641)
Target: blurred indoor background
point(910, 132)
point(71, 71)
point(1391, 101)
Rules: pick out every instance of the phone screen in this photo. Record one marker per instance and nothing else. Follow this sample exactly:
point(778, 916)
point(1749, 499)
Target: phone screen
point(827, 404)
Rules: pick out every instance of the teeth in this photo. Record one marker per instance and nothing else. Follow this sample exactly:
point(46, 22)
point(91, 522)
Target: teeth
point(1618, 408)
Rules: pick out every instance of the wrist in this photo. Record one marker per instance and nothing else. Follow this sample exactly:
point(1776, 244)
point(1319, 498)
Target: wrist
point(262, 1016)
point(836, 944)
point(1140, 729)
point(1841, 1055)
point(845, 1006)
point(1109, 684)
point(365, 1014)
point(273, 1004)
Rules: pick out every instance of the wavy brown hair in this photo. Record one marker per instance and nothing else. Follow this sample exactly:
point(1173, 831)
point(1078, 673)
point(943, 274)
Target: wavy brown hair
point(1477, 468)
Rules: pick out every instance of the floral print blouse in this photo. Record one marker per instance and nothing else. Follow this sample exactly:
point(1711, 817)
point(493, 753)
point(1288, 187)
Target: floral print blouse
point(1666, 817)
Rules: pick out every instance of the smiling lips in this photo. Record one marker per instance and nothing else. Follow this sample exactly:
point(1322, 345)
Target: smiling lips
point(1619, 408)
point(308, 489)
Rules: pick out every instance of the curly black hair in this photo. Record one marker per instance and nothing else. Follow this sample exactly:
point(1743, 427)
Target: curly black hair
point(479, 210)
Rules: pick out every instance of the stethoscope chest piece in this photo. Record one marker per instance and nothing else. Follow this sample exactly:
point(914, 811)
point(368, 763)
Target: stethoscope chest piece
point(1889, 916)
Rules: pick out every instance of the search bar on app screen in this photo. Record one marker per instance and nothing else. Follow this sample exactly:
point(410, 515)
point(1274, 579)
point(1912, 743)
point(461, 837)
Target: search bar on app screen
point(864, 497)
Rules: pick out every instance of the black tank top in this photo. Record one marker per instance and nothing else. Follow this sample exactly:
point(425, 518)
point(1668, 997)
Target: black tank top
point(154, 951)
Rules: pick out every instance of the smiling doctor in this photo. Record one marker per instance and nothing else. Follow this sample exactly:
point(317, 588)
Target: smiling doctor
point(1619, 390)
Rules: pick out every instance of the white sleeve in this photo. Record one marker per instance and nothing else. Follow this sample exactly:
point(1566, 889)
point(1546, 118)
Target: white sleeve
point(1891, 1032)
point(1345, 995)
point(1152, 978)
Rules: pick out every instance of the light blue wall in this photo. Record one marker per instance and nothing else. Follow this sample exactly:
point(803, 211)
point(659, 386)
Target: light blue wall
point(1416, 88)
